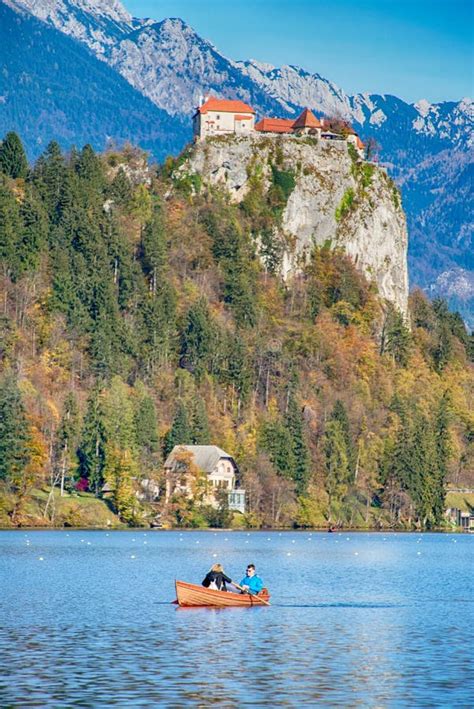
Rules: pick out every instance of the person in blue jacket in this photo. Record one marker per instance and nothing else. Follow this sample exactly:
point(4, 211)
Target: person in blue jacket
point(251, 582)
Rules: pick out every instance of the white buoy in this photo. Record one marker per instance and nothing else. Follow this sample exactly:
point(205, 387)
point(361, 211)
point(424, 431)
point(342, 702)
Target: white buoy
point(41, 558)
point(133, 556)
point(288, 553)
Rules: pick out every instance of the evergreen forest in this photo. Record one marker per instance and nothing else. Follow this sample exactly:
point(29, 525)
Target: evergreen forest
point(139, 311)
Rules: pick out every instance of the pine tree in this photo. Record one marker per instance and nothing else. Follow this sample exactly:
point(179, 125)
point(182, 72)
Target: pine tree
point(336, 464)
point(13, 160)
point(154, 250)
point(146, 425)
point(34, 231)
point(10, 229)
point(200, 425)
point(294, 423)
point(180, 432)
point(91, 451)
point(197, 340)
point(444, 451)
point(339, 413)
point(67, 437)
point(396, 338)
point(120, 189)
point(275, 439)
point(49, 175)
point(14, 431)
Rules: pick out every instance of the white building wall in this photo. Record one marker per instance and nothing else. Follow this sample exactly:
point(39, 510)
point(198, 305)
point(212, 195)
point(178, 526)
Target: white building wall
point(222, 123)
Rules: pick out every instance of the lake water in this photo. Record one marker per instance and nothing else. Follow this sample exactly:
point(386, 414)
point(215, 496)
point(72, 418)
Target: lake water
point(357, 620)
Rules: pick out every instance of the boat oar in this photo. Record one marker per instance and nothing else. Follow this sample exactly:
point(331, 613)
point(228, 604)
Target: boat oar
point(247, 591)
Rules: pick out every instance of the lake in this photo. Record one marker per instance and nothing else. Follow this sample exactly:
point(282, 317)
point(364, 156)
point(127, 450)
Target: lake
point(357, 620)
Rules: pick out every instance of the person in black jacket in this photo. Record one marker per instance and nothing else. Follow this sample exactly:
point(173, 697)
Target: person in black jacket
point(216, 578)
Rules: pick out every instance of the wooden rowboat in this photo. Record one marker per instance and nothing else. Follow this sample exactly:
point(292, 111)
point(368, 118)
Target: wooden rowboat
point(188, 594)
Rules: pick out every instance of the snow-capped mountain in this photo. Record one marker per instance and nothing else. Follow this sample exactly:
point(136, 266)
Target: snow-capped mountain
point(426, 147)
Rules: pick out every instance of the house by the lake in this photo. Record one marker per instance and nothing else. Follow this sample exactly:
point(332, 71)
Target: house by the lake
point(219, 467)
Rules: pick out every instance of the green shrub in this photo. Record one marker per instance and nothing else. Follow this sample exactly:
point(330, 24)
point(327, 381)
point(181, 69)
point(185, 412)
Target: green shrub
point(346, 204)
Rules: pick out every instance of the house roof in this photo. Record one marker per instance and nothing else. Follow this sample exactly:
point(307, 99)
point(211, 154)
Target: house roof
point(225, 106)
point(205, 457)
point(275, 125)
point(360, 144)
point(307, 119)
point(243, 118)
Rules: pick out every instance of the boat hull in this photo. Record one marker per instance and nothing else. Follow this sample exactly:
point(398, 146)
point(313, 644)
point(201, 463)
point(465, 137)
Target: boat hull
point(189, 595)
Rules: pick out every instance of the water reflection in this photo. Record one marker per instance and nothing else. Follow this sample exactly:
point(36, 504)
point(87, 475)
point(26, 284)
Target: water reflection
point(91, 627)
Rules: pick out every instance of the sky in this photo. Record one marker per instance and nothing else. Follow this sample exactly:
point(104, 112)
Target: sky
point(410, 48)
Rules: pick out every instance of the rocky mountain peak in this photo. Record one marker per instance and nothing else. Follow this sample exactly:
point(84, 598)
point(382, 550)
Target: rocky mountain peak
point(97, 23)
point(372, 230)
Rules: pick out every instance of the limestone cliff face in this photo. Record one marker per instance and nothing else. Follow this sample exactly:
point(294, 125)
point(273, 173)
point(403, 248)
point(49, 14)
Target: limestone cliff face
point(335, 197)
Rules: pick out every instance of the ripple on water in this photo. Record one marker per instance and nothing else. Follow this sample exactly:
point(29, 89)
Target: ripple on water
point(89, 628)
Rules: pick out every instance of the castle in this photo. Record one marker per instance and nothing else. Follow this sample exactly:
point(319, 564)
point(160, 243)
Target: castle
point(223, 117)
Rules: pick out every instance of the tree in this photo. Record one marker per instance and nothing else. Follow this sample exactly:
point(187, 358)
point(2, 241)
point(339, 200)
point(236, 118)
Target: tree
point(91, 451)
point(180, 431)
point(120, 189)
point(10, 229)
point(119, 470)
point(336, 464)
point(444, 450)
point(396, 338)
point(13, 160)
point(67, 437)
point(49, 175)
point(148, 440)
point(34, 231)
point(275, 439)
point(339, 413)
point(197, 340)
point(201, 434)
point(294, 423)
point(154, 250)
point(14, 431)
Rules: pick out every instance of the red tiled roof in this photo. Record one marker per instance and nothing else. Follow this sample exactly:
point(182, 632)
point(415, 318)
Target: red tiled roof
point(360, 144)
point(243, 118)
point(307, 120)
point(225, 106)
point(275, 125)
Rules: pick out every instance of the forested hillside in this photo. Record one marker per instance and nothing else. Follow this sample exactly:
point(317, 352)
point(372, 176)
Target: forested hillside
point(137, 314)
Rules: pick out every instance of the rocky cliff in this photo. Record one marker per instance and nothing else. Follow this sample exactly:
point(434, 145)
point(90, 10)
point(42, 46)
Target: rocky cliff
point(330, 196)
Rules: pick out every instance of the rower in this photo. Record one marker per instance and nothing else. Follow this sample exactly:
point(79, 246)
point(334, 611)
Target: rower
point(251, 582)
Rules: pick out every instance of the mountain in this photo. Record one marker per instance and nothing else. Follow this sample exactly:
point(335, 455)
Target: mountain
point(422, 144)
point(54, 88)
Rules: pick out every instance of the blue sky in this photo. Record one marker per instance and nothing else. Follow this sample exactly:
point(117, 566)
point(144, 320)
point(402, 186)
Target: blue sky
point(411, 48)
